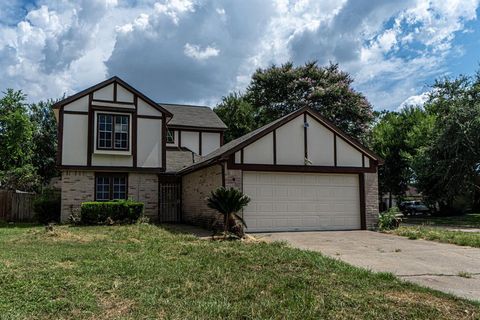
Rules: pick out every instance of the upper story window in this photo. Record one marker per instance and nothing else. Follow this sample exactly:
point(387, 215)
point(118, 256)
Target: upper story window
point(113, 130)
point(170, 136)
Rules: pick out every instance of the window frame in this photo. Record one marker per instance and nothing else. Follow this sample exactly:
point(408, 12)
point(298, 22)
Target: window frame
point(173, 136)
point(114, 116)
point(111, 177)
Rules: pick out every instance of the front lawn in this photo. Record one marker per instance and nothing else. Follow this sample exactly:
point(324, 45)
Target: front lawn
point(146, 272)
point(439, 234)
point(471, 220)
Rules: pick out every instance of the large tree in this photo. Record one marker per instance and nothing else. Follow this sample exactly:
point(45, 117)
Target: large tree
point(16, 132)
point(238, 114)
point(447, 167)
point(279, 90)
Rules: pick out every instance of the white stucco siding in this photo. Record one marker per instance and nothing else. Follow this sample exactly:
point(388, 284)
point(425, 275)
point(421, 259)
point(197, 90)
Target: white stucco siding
point(290, 143)
point(210, 142)
point(113, 105)
point(149, 147)
point(190, 140)
point(75, 139)
point(105, 93)
point(367, 161)
point(109, 160)
point(319, 144)
point(238, 157)
point(145, 109)
point(260, 151)
point(78, 105)
point(347, 156)
point(123, 95)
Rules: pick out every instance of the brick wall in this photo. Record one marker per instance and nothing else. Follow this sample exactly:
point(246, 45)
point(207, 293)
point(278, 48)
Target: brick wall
point(196, 187)
point(143, 187)
point(179, 159)
point(371, 200)
point(233, 178)
point(77, 187)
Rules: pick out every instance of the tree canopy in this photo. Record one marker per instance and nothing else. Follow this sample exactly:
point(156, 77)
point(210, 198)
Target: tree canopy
point(278, 90)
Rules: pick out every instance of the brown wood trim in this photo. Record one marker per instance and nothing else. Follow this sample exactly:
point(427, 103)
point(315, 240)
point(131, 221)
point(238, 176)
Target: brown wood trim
point(164, 143)
point(115, 92)
point(107, 82)
point(179, 138)
point(297, 168)
point(60, 136)
point(115, 102)
point(111, 169)
point(90, 130)
point(200, 143)
point(222, 164)
point(334, 149)
point(148, 117)
point(363, 217)
point(241, 156)
point(176, 148)
point(222, 138)
point(135, 131)
point(110, 176)
point(363, 160)
point(305, 141)
point(76, 112)
point(192, 128)
point(113, 109)
point(274, 146)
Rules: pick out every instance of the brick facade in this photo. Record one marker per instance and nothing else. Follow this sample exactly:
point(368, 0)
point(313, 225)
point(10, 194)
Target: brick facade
point(143, 187)
point(371, 200)
point(77, 187)
point(196, 187)
point(233, 178)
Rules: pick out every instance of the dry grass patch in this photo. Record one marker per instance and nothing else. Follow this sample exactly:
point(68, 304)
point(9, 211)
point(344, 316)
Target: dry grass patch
point(114, 307)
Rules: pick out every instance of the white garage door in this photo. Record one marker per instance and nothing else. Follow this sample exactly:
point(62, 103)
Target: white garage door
point(301, 201)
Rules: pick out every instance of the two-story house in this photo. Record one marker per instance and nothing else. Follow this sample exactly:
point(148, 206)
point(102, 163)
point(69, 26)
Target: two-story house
point(300, 171)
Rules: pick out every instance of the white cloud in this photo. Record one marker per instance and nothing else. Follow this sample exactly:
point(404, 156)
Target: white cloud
point(415, 100)
point(195, 52)
point(199, 50)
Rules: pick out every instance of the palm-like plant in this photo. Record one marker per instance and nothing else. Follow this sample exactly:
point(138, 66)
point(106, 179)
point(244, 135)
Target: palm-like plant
point(228, 202)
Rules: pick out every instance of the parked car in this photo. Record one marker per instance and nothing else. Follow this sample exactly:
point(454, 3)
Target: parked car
point(414, 207)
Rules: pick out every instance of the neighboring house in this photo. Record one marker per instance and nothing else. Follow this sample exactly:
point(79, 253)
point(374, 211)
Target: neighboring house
point(301, 172)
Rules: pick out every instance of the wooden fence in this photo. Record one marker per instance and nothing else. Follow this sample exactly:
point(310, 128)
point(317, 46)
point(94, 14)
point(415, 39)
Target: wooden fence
point(16, 206)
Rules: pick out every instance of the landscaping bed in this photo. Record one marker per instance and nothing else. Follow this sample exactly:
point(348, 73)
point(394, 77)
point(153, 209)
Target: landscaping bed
point(143, 272)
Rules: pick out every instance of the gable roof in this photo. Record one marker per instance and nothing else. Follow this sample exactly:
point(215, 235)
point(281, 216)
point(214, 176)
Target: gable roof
point(105, 83)
point(193, 116)
point(233, 146)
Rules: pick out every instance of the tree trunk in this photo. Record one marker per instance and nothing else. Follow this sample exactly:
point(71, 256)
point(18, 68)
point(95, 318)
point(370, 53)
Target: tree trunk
point(390, 200)
point(225, 225)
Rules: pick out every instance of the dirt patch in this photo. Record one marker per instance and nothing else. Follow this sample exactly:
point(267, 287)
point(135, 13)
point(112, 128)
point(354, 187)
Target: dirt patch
point(63, 235)
point(448, 308)
point(65, 265)
point(115, 307)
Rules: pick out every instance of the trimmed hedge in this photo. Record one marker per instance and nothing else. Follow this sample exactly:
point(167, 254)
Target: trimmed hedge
point(109, 212)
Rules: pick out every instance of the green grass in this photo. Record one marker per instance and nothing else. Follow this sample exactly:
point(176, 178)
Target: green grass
point(438, 234)
point(147, 272)
point(471, 220)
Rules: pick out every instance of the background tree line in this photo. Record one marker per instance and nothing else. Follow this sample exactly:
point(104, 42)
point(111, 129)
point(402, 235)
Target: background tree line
point(435, 147)
point(28, 142)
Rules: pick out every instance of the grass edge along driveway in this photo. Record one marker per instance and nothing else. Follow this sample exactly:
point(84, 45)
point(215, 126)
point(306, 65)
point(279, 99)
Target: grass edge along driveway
point(145, 271)
point(439, 234)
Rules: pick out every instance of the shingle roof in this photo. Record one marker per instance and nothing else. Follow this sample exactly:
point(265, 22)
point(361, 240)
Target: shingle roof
point(193, 116)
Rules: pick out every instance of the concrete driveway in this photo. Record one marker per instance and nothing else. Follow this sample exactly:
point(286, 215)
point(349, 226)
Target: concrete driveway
point(431, 264)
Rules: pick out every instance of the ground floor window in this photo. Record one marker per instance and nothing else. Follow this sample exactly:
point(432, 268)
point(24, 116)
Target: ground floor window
point(110, 186)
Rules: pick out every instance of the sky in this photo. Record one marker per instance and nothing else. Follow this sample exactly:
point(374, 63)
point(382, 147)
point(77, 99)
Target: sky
point(196, 51)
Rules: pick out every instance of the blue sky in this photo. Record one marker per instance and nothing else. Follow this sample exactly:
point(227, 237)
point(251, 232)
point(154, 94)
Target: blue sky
point(196, 51)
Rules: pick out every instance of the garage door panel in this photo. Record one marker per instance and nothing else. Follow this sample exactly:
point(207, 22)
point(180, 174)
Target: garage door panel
point(301, 201)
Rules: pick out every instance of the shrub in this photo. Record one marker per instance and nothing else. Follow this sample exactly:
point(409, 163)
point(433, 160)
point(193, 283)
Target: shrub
point(389, 219)
point(47, 206)
point(110, 212)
